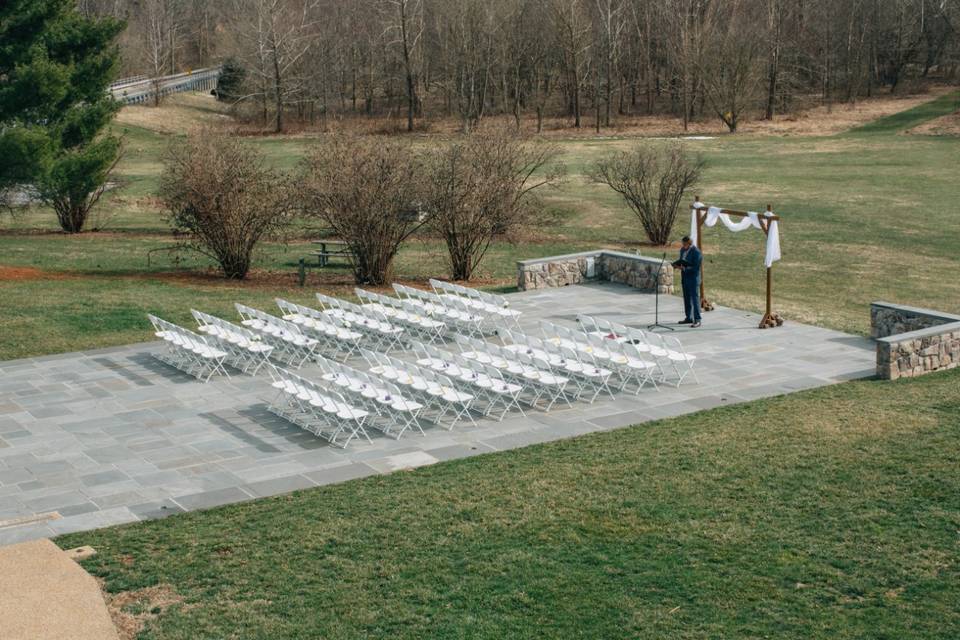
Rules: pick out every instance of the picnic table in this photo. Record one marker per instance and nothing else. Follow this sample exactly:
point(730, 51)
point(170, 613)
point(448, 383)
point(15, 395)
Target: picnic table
point(330, 247)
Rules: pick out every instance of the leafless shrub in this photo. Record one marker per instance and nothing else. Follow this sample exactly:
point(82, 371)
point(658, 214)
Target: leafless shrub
point(483, 187)
point(652, 180)
point(367, 190)
point(222, 199)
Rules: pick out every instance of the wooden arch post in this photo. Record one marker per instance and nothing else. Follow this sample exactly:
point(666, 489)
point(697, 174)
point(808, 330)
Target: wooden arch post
point(770, 319)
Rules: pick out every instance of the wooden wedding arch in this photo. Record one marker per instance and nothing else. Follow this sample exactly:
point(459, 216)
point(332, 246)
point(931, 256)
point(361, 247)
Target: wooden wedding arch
point(770, 319)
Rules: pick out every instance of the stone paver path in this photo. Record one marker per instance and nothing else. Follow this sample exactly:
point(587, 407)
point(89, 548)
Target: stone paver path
point(105, 437)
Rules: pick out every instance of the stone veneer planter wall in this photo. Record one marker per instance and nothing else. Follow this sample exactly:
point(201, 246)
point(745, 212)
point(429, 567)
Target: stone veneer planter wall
point(912, 341)
point(602, 265)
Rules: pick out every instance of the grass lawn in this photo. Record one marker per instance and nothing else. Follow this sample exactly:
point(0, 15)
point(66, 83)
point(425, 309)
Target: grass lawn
point(833, 513)
point(866, 216)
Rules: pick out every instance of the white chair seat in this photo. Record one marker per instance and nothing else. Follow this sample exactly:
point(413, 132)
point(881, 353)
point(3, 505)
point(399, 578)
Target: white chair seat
point(452, 395)
point(406, 405)
point(349, 413)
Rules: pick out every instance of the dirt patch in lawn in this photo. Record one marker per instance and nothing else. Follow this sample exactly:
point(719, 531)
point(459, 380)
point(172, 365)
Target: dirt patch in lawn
point(948, 125)
point(132, 610)
point(19, 274)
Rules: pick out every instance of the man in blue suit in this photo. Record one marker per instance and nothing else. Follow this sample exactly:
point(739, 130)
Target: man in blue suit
point(689, 265)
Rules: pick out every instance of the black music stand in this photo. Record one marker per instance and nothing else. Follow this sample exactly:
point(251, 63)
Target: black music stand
point(656, 309)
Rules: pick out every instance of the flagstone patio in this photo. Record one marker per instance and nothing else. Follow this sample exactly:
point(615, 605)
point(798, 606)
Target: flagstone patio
point(104, 437)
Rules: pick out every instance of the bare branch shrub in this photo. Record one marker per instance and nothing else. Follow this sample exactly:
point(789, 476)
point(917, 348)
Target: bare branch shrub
point(367, 190)
point(652, 180)
point(483, 187)
point(222, 199)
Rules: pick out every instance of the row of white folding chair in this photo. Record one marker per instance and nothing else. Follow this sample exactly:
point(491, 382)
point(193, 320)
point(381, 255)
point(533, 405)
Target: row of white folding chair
point(521, 366)
point(602, 349)
point(245, 350)
point(435, 389)
point(379, 332)
point(598, 355)
point(487, 319)
point(405, 313)
point(585, 344)
point(668, 351)
point(320, 410)
point(334, 334)
point(429, 302)
point(458, 315)
point(380, 397)
point(289, 343)
point(484, 381)
point(489, 302)
point(590, 372)
point(190, 352)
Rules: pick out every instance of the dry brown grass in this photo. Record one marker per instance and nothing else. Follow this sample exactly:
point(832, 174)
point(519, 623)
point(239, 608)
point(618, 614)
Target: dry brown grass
point(182, 112)
point(178, 114)
point(132, 610)
point(822, 120)
point(12, 274)
point(948, 125)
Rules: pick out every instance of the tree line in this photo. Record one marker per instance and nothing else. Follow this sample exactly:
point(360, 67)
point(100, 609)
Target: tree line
point(588, 61)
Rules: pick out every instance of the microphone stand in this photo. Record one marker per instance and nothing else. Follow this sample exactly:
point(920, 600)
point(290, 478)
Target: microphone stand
point(656, 309)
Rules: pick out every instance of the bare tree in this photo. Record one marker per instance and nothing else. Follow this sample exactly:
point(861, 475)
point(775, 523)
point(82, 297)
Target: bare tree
point(775, 28)
point(367, 190)
point(162, 25)
point(478, 58)
point(277, 34)
point(573, 39)
point(652, 181)
point(222, 199)
point(404, 26)
point(610, 27)
point(729, 66)
point(485, 187)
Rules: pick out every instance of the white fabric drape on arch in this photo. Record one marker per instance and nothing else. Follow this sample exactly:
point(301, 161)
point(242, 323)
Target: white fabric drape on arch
point(751, 220)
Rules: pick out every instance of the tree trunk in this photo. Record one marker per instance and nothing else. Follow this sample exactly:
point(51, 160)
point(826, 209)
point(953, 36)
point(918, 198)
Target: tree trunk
point(278, 97)
point(774, 65)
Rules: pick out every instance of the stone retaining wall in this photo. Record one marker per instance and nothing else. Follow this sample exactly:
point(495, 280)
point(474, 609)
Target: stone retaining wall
point(912, 341)
point(613, 266)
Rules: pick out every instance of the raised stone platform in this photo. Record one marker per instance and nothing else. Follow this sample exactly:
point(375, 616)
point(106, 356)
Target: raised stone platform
point(111, 436)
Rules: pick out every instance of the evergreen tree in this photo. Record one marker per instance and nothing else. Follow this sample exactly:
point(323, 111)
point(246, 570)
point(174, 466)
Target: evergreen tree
point(230, 82)
point(55, 68)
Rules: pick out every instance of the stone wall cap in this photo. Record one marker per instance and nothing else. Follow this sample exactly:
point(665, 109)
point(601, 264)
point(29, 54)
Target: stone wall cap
point(936, 330)
point(596, 253)
point(634, 256)
point(930, 313)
